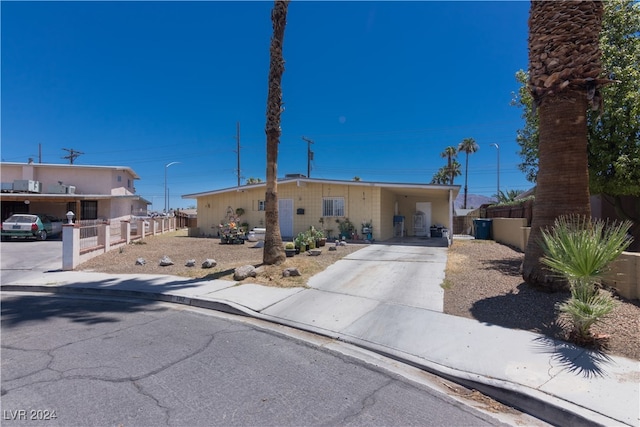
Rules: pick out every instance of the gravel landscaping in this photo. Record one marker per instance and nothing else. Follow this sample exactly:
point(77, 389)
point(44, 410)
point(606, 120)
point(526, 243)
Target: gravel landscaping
point(483, 282)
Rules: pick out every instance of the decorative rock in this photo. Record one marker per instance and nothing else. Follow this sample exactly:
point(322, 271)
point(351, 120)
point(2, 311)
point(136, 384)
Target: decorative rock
point(140, 261)
point(165, 261)
point(343, 243)
point(314, 252)
point(332, 248)
point(243, 272)
point(209, 263)
point(290, 271)
point(190, 263)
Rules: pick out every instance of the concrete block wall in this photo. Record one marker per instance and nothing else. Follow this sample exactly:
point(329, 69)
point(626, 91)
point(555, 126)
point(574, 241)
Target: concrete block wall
point(624, 275)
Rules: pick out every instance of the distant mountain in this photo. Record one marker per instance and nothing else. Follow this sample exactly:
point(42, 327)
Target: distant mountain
point(473, 200)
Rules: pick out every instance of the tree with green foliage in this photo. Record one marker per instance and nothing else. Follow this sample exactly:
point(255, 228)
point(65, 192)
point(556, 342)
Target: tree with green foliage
point(508, 195)
point(614, 129)
point(253, 180)
point(467, 146)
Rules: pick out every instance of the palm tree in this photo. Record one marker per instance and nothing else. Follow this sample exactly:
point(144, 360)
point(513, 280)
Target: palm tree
point(507, 196)
point(468, 146)
point(273, 252)
point(454, 169)
point(564, 65)
point(440, 177)
point(450, 154)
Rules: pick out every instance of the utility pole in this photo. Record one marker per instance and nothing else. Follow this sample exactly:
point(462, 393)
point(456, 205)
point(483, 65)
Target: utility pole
point(309, 155)
point(73, 154)
point(238, 149)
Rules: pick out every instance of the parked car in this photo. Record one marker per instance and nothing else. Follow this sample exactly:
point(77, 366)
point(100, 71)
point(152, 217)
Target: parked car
point(37, 226)
point(56, 224)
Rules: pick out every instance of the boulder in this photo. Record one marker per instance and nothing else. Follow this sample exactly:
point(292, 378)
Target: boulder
point(165, 261)
point(332, 248)
point(140, 261)
point(190, 263)
point(243, 272)
point(290, 271)
point(209, 263)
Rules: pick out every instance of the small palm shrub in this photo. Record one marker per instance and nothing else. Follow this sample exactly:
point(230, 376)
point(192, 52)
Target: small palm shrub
point(580, 250)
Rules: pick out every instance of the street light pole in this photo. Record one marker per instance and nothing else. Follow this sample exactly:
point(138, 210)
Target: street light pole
point(166, 207)
point(498, 151)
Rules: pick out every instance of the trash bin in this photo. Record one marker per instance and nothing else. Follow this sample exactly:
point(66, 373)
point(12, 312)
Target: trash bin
point(482, 228)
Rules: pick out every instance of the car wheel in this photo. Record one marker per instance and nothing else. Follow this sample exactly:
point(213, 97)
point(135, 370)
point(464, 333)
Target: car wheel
point(43, 235)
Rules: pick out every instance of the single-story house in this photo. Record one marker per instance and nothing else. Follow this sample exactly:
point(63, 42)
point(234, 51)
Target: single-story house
point(90, 192)
point(391, 209)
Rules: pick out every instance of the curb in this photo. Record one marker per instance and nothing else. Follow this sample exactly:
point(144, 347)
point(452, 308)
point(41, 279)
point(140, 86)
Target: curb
point(545, 407)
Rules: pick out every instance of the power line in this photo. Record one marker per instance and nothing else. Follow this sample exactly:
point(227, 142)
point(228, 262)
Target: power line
point(73, 154)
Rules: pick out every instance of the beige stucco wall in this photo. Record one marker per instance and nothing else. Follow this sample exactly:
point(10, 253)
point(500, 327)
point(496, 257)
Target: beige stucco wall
point(363, 203)
point(359, 206)
point(625, 275)
point(510, 231)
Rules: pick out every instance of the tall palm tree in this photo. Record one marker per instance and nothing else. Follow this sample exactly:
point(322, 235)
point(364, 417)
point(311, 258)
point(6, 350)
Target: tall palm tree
point(564, 66)
point(467, 146)
point(450, 154)
point(273, 252)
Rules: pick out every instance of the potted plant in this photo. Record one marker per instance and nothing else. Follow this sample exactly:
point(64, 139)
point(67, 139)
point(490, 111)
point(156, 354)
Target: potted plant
point(289, 249)
point(346, 228)
point(300, 242)
point(317, 236)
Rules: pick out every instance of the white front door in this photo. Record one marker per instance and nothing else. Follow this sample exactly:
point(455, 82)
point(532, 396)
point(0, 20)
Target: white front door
point(422, 219)
point(285, 216)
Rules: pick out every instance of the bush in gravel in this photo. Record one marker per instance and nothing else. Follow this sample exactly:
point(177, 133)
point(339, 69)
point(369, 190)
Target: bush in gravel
point(580, 249)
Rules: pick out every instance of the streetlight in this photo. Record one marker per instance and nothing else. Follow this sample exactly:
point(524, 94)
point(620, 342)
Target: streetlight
point(498, 151)
point(166, 207)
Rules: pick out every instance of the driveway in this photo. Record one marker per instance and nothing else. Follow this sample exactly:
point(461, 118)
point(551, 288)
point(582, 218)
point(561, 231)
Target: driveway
point(22, 258)
point(381, 277)
point(391, 273)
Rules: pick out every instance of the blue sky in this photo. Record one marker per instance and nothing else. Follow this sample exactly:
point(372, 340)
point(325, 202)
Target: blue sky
point(381, 88)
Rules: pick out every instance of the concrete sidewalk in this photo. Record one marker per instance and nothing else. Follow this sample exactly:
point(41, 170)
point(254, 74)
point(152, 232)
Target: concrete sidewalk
point(379, 309)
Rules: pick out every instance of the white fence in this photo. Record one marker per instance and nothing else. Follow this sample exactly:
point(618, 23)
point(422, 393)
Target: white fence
point(87, 239)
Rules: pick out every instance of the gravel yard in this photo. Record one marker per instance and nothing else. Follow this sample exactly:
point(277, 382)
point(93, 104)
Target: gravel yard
point(181, 248)
point(483, 282)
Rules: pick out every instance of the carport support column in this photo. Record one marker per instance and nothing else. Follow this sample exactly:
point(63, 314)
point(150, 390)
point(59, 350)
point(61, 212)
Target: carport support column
point(70, 246)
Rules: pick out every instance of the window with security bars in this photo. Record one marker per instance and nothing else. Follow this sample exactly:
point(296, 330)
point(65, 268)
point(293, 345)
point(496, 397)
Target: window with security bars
point(89, 209)
point(333, 206)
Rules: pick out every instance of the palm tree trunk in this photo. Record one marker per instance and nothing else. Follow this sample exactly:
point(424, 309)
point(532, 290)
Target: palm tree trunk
point(564, 66)
point(563, 178)
point(273, 252)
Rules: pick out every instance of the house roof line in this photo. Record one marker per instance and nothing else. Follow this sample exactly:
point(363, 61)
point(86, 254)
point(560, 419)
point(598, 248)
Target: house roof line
point(59, 165)
point(326, 181)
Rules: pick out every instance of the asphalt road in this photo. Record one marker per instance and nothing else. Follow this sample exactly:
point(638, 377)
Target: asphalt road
point(128, 363)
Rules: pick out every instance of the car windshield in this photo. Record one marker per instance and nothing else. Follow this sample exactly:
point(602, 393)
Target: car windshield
point(22, 218)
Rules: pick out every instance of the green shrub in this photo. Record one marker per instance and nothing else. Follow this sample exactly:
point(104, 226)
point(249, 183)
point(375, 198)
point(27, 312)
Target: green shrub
point(580, 250)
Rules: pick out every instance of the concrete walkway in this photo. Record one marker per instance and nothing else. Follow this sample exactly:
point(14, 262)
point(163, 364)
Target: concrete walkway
point(388, 299)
